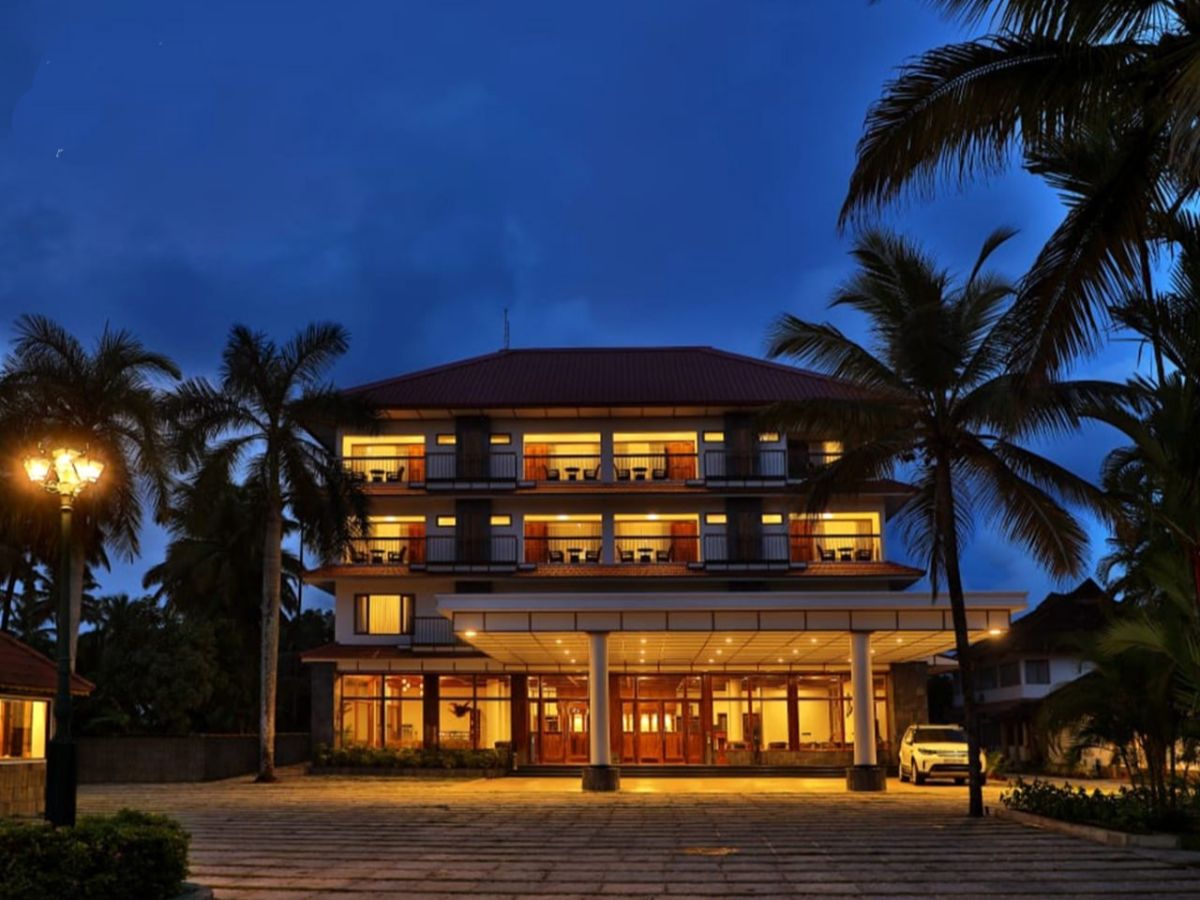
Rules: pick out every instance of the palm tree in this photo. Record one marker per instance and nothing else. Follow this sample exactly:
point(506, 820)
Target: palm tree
point(936, 400)
point(107, 400)
point(1101, 99)
point(261, 416)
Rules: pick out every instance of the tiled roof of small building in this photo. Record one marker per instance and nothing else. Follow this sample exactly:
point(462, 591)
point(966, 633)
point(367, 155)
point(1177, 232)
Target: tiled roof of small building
point(1057, 624)
point(25, 671)
point(603, 377)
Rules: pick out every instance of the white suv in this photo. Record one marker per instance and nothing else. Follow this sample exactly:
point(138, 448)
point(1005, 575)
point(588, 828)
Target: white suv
point(936, 751)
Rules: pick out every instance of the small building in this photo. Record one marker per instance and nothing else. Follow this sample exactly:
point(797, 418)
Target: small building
point(1038, 655)
point(27, 687)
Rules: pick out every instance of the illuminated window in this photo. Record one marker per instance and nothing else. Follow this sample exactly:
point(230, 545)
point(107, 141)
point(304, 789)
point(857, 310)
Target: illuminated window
point(446, 440)
point(375, 710)
point(768, 437)
point(23, 729)
point(475, 711)
point(446, 521)
point(501, 439)
point(715, 519)
point(383, 613)
point(714, 437)
point(772, 518)
point(501, 520)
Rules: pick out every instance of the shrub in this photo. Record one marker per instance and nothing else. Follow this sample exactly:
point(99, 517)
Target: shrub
point(1129, 809)
point(360, 757)
point(129, 854)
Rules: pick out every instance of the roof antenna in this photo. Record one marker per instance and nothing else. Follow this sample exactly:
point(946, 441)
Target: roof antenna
point(506, 328)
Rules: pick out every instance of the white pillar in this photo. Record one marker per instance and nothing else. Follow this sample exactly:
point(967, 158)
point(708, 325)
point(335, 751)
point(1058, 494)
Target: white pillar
point(862, 689)
point(601, 749)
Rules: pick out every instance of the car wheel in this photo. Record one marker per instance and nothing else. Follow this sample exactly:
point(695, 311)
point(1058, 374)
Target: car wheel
point(903, 777)
point(917, 776)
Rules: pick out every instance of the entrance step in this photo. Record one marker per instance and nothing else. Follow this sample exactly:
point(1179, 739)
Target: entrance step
point(630, 771)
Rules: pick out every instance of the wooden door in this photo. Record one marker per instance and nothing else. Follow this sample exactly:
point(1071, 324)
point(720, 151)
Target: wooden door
point(649, 739)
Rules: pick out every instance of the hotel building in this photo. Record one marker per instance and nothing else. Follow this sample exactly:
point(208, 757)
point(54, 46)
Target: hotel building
point(599, 558)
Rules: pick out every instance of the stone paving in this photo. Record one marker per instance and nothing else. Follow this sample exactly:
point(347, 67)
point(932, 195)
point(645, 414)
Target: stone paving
point(353, 838)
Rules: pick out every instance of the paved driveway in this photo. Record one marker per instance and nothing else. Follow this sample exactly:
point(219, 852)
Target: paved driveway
point(351, 838)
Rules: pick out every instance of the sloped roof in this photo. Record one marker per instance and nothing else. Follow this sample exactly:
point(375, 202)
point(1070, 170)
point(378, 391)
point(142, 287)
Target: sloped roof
point(1055, 624)
point(25, 671)
point(603, 377)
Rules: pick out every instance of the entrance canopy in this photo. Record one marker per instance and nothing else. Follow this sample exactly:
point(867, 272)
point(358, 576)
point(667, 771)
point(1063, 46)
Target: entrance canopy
point(730, 631)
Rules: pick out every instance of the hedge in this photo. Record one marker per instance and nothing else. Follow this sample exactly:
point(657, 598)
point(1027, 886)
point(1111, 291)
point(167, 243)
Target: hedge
point(126, 855)
point(387, 758)
point(1128, 809)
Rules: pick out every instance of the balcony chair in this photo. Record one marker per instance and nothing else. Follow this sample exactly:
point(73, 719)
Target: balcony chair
point(863, 555)
point(556, 556)
point(625, 556)
point(552, 475)
point(358, 556)
point(662, 556)
point(591, 556)
point(397, 474)
point(396, 557)
point(623, 474)
point(591, 474)
point(826, 555)
point(658, 474)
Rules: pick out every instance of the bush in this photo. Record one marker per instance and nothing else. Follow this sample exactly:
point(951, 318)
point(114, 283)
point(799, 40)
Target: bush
point(1129, 809)
point(130, 854)
point(360, 757)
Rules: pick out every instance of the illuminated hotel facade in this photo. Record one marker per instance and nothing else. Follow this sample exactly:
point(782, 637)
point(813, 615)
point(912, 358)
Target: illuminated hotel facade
point(599, 558)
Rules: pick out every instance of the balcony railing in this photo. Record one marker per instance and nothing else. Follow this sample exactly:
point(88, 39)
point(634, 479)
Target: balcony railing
point(448, 467)
point(803, 464)
point(434, 631)
point(656, 548)
point(751, 551)
point(665, 466)
point(562, 467)
point(446, 552)
point(753, 466)
point(577, 548)
point(385, 469)
point(835, 548)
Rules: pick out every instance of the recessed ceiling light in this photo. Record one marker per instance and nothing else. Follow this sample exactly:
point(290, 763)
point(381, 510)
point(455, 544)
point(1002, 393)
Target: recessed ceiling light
point(470, 632)
point(710, 659)
point(993, 631)
point(780, 659)
point(572, 660)
point(729, 640)
point(814, 640)
point(794, 650)
point(719, 651)
point(899, 640)
point(558, 640)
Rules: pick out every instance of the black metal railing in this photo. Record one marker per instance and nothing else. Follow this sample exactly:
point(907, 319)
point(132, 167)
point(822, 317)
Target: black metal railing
point(386, 551)
point(756, 465)
point(384, 469)
point(433, 630)
point(552, 467)
point(451, 550)
point(661, 466)
point(656, 548)
point(834, 547)
point(450, 466)
point(746, 550)
point(802, 463)
point(550, 550)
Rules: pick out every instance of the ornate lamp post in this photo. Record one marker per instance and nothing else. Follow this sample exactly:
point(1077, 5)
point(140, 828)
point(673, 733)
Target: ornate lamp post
point(65, 473)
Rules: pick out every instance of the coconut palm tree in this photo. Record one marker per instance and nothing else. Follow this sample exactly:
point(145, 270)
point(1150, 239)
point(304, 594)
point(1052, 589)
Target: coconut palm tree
point(261, 417)
point(108, 400)
point(1101, 99)
point(936, 400)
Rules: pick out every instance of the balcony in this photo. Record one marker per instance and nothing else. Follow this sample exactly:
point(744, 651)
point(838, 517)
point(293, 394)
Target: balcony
point(436, 553)
point(752, 552)
point(542, 550)
point(656, 549)
point(394, 470)
point(755, 468)
point(435, 631)
point(833, 547)
point(453, 470)
point(638, 468)
point(551, 468)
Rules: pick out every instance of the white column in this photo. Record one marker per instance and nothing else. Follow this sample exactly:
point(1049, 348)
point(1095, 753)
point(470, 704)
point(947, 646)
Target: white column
point(862, 689)
point(601, 749)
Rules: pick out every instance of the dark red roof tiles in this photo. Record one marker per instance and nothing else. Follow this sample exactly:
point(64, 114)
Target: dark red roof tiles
point(603, 377)
point(25, 671)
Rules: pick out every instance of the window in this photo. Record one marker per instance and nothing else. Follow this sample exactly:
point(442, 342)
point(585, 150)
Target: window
point(985, 679)
point(383, 613)
point(446, 440)
point(23, 729)
point(475, 711)
point(772, 518)
point(715, 519)
point(501, 440)
point(446, 521)
point(768, 437)
point(380, 710)
point(501, 520)
point(1037, 671)
point(714, 437)
point(1010, 674)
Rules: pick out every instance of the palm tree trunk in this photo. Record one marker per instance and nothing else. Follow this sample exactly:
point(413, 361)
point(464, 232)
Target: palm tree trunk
point(962, 639)
point(1153, 310)
point(269, 662)
point(9, 589)
point(77, 567)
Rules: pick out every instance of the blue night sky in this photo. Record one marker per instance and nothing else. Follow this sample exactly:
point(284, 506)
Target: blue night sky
point(616, 173)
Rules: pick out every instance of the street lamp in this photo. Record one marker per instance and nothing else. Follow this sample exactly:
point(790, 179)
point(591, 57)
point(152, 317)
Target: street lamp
point(65, 473)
